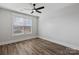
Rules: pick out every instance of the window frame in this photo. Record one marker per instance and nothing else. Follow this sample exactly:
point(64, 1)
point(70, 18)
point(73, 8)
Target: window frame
point(14, 34)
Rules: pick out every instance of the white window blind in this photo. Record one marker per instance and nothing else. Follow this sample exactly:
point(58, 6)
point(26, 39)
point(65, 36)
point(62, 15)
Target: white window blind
point(22, 25)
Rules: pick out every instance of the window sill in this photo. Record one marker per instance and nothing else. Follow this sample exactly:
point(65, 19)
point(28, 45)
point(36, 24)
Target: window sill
point(22, 34)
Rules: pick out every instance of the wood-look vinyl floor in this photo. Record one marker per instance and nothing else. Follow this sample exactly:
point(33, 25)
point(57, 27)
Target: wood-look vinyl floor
point(36, 46)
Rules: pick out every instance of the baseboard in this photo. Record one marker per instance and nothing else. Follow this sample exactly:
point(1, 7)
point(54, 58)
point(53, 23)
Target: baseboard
point(17, 40)
point(61, 42)
point(43, 37)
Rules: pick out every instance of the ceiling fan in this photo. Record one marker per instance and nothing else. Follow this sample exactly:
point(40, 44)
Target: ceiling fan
point(36, 9)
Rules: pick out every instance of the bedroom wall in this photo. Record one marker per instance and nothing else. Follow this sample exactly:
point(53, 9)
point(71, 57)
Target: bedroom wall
point(6, 17)
point(60, 25)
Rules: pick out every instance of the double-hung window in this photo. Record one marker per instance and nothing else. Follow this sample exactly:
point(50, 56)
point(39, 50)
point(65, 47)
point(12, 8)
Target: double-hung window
point(22, 25)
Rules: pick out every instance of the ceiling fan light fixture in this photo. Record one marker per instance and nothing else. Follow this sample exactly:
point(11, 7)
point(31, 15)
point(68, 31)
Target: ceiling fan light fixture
point(35, 9)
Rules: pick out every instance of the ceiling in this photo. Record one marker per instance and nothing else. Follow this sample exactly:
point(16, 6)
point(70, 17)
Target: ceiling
point(21, 7)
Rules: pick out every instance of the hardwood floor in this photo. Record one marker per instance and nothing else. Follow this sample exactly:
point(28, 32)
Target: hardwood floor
point(36, 46)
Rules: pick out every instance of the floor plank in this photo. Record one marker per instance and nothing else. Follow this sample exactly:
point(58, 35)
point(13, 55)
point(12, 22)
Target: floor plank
point(36, 46)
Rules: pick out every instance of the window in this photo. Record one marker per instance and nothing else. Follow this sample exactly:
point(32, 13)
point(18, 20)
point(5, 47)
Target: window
point(22, 25)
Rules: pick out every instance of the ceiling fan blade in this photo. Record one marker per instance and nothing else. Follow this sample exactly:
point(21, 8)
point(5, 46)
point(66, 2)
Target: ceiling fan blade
point(32, 12)
point(40, 8)
point(38, 11)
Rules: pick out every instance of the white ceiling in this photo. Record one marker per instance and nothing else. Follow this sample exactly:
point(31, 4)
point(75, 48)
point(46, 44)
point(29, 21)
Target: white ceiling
point(20, 7)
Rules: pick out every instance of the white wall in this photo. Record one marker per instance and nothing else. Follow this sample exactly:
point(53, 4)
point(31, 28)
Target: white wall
point(6, 17)
point(60, 25)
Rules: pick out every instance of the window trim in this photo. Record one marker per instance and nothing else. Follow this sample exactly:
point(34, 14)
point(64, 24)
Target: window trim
point(13, 34)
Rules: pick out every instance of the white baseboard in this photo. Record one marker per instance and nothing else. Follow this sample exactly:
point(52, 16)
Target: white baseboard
point(60, 42)
point(16, 40)
point(43, 37)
